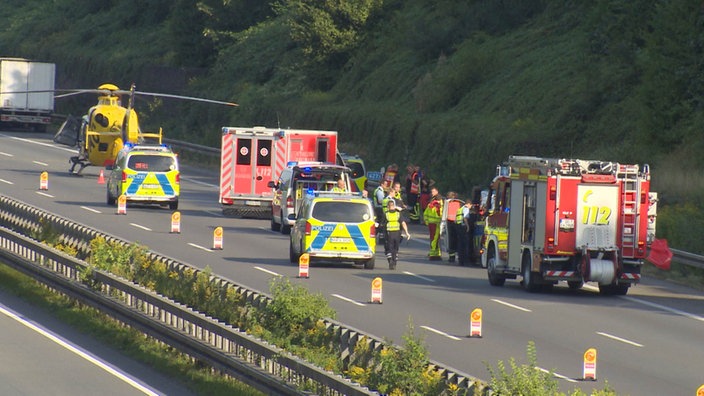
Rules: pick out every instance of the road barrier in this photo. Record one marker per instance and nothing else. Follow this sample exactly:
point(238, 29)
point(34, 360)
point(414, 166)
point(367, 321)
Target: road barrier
point(225, 348)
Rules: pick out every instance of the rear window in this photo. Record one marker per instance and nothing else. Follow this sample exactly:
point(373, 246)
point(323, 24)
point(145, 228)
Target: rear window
point(341, 212)
point(151, 163)
point(357, 170)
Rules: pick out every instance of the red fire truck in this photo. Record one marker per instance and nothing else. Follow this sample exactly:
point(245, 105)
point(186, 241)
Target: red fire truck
point(568, 220)
point(253, 156)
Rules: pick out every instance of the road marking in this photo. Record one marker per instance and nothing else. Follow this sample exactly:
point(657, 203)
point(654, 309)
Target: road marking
point(91, 209)
point(613, 337)
point(201, 183)
point(511, 305)
point(78, 351)
point(6, 181)
point(140, 226)
point(664, 308)
point(40, 163)
point(6, 154)
point(199, 247)
point(213, 212)
point(267, 271)
point(442, 333)
point(349, 300)
point(560, 376)
point(44, 194)
point(655, 305)
point(418, 276)
point(39, 143)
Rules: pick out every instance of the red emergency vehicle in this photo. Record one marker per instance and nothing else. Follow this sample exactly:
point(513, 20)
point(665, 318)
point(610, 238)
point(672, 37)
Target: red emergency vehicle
point(568, 220)
point(253, 156)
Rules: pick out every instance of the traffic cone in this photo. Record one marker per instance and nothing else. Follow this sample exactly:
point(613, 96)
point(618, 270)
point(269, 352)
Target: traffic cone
point(101, 177)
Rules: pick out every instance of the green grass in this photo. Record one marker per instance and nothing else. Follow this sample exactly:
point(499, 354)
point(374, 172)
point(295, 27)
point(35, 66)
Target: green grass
point(197, 378)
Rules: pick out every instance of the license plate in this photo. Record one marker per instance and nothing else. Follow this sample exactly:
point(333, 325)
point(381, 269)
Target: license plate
point(150, 186)
point(253, 203)
point(339, 240)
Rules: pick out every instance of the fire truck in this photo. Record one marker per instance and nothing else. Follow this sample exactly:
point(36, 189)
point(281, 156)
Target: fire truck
point(253, 156)
point(567, 220)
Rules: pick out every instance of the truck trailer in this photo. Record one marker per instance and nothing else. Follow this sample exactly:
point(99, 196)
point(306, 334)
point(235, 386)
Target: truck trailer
point(570, 220)
point(26, 94)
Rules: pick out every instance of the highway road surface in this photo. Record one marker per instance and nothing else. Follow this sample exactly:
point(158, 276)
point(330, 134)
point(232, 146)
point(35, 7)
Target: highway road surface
point(649, 342)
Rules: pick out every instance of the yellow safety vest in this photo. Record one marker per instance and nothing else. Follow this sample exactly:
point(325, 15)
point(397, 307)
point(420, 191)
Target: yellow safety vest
point(392, 221)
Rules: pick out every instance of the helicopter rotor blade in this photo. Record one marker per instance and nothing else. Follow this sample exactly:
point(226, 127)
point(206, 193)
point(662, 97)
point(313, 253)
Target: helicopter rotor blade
point(186, 98)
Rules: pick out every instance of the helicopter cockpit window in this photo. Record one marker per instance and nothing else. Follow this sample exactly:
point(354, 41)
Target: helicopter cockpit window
point(151, 163)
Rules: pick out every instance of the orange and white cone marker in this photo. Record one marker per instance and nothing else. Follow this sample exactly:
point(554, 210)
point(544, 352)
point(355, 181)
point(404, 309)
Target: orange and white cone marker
point(475, 323)
point(303, 265)
point(44, 181)
point(101, 177)
point(217, 238)
point(176, 223)
point(376, 290)
point(700, 391)
point(589, 364)
point(122, 204)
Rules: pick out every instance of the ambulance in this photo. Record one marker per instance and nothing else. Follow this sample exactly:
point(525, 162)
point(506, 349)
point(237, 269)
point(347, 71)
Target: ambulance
point(251, 157)
point(146, 174)
point(334, 228)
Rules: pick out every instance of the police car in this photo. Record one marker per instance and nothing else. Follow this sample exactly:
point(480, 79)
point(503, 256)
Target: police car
point(146, 174)
point(334, 227)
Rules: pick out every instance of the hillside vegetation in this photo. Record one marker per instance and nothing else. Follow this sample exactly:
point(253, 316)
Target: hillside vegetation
point(455, 86)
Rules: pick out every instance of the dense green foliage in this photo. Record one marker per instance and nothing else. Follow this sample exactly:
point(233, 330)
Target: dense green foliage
point(455, 86)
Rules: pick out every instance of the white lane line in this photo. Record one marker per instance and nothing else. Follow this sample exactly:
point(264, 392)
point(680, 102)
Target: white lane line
point(349, 300)
point(39, 143)
point(140, 226)
point(6, 154)
point(655, 305)
point(267, 271)
point(560, 376)
point(40, 163)
point(212, 212)
point(78, 351)
point(199, 247)
point(664, 308)
point(418, 276)
point(511, 305)
point(91, 209)
point(6, 181)
point(442, 333)
point(613, 337)
point(45, 194)
point(201, 183)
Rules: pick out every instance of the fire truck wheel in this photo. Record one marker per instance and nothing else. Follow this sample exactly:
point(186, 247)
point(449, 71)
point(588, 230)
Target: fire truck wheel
point(494, 278)
point(530, 281)
point(575, 285)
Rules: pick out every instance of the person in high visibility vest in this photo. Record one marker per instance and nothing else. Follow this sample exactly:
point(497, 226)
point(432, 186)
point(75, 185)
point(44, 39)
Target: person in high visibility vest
point(465, 241)
point(379, 197)
point(340, 186)
point(394, 224)
point(453, 204)
point(432, 215)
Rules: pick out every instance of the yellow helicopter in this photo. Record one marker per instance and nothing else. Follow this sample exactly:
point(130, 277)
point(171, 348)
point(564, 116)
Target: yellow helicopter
point(101, 133)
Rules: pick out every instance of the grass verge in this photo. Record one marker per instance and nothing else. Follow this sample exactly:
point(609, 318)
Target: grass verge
point(197, 378)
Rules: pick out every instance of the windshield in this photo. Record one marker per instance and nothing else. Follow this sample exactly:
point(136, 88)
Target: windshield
point(152, 163)
point(341, 212)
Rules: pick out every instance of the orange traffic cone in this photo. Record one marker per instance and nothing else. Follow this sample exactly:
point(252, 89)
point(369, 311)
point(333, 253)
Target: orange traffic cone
point(101, 177)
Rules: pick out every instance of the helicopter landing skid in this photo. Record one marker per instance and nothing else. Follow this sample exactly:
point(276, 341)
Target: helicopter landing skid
point(82, 163)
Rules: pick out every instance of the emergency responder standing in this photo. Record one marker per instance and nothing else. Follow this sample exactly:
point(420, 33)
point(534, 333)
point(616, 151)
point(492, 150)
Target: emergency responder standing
point(394, 224)
point(340, 186)
point(464, 234)
point(453, 204)
point(413, 192)
point(432, 215)
point(379, 198)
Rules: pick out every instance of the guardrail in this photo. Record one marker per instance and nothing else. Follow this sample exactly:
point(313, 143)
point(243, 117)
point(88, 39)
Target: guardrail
point(687, 258)
point(225, 348)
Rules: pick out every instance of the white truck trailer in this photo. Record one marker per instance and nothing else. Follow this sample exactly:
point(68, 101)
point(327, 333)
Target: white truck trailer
point(26, 94)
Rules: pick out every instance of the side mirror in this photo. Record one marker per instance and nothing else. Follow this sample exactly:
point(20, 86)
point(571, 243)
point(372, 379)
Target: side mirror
point(272, 184)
